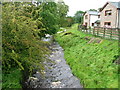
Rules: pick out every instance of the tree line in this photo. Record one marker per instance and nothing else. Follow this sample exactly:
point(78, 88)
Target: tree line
point(23, 26)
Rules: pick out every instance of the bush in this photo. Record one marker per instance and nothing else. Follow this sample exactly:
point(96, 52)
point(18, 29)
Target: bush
point(21, 41)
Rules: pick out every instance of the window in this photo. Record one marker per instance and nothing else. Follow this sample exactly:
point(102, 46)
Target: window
point(98, 16)
point(86, 16)
point(86, 24)
point(108, 12)
point(92, 24)
point(107, 24)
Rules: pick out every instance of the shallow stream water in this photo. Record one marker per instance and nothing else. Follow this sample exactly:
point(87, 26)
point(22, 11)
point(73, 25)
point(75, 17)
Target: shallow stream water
point(57, 73)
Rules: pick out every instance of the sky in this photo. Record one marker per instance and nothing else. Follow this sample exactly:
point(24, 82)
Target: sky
point(83, 5)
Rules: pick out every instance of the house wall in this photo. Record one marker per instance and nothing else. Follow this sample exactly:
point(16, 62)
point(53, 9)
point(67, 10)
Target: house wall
point(93, 18)
point(112, 18)
point(87, 20)
point(118, 18)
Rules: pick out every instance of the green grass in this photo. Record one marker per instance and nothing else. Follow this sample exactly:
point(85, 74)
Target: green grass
point(91, 63)
point(12, 80)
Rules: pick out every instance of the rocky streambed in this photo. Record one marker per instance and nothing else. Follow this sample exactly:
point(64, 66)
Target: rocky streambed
point(57, 73)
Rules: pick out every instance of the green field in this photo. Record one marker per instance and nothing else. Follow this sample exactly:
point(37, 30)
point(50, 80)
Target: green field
point(93, 63)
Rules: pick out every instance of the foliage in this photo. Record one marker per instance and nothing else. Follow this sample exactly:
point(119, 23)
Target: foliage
point(53, 16)
point(92, 10)
point(92, 63)
point(50, 17)
point(24, 24)
point(62, 11)
point(22, 47)
point(69, 21)
point(12, 80)
point(78, 17)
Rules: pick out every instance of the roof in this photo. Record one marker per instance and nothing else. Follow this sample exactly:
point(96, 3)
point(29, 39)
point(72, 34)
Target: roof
point(115, 4)
point(97, 21)
point(92, 12)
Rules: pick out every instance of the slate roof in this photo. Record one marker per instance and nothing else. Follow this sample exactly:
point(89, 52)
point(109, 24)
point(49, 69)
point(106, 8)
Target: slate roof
point(92, 12)
point(116, 4)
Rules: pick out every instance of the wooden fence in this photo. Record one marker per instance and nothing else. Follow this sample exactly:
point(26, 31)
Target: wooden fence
point(112, 33)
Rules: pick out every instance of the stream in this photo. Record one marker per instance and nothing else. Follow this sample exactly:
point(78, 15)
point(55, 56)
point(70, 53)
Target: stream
point(57, 73)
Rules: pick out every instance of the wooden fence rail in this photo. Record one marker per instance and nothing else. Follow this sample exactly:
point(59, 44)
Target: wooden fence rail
point(112, 33)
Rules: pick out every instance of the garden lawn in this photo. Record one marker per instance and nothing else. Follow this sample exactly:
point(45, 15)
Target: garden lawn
point(93, 63)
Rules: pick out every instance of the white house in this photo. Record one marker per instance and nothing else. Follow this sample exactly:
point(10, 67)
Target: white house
point(90, 18)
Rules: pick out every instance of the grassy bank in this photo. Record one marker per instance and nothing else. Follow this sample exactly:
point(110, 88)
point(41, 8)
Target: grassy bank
point(92, 62)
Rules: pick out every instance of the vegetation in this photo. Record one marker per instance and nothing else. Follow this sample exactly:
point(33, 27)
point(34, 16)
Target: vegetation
point(92, 10)
point(50, 17)
point(13, 79)
point(93, 63)
point(22, 47)
point(62, 11)
point(68, 22)
point(78, 17)
point(24, 24)
point(23, 27)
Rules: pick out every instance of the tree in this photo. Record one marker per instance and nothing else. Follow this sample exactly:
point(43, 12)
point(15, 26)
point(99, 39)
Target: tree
point(78, 17)
point(92, 10)
point(62, 11)
point(49, 17)
point(53, 16)
point(69, 21)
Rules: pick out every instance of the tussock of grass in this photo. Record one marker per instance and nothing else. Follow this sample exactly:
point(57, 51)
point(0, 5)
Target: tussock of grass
point(91, 62)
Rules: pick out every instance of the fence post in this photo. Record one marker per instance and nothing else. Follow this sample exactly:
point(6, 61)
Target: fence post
point(119, 35)
point(94, 31)
point(78, 28)
point(86, 30)
point(90, 31)
point(111, 33)
point(104, 33)
point(98, 31)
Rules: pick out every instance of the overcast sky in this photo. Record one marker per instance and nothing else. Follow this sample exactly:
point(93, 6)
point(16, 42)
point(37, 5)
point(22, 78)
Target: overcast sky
point(83, 5)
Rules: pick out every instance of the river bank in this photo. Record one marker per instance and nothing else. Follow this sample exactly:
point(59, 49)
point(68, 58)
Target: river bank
point(93, 60)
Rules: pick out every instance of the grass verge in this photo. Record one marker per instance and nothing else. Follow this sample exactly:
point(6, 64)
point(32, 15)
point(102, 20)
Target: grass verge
point(93, 63)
